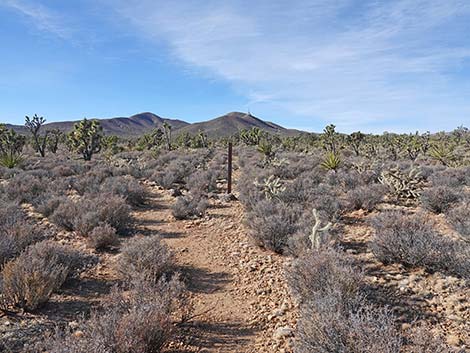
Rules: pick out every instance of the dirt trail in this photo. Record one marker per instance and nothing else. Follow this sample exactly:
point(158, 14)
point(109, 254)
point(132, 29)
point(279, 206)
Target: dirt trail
point(238, 290)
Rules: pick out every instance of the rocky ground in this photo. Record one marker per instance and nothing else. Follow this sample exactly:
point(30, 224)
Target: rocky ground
point(414, 295)
point(238, 291)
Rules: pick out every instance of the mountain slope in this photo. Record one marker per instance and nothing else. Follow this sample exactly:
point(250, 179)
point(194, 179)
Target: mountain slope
point(135, 125)
point(231, 123)
point(142, 123)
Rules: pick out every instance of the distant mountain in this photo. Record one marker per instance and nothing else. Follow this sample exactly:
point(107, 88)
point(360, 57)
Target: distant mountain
point(135, 125)
point(142, 123)
point(231, 123)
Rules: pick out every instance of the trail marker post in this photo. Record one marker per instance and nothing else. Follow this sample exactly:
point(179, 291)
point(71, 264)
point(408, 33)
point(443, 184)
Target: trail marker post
point(229, 169)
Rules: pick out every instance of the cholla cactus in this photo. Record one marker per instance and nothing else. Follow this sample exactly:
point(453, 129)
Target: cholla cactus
point(316, 237)
point(279, 162)
point(271, 186)
point(403, 186)
point(251, 137)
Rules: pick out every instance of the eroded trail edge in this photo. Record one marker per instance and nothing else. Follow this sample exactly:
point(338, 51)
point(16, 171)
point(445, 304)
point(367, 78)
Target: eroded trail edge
point(238, 291)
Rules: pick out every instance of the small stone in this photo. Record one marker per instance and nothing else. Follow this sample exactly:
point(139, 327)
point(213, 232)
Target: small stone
point(283, 332)
point(175, 192)
point(405, 326)
point(453, 340)
point(73, 324)
point(78, 334)
point(278, 312)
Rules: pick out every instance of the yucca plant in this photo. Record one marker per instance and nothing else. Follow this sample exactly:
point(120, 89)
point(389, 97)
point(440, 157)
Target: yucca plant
point(11, 145)
point(10, 160)
point(443, 153)
point(331, 161)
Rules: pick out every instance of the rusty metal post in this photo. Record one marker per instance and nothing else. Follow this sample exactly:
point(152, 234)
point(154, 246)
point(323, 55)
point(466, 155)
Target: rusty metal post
point(229, 174)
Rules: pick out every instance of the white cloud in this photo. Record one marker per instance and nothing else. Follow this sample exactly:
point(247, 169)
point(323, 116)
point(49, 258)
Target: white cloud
point(361, 64)
point(356, 63)
point(43, 18)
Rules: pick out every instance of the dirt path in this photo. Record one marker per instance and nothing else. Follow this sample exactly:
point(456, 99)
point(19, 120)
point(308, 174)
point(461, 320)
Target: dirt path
point(238, 290)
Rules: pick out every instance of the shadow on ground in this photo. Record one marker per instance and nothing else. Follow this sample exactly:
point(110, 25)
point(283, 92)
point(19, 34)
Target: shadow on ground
point(202, 281)
point(220, 336)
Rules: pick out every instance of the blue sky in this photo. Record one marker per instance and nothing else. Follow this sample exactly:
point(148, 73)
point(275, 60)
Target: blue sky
point(369, 65)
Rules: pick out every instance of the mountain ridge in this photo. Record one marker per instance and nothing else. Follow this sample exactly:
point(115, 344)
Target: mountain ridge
point(139, 124)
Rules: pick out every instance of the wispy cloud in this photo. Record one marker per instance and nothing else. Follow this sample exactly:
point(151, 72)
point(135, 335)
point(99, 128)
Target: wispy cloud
point(361, 64)
point(43, 18)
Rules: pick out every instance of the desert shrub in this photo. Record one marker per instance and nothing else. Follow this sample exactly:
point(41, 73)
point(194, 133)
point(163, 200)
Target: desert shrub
point(16, 233)
point(91, 181)
point(459, 218)
point(302, 189)
point(174, 173)
point(440, 199)
point(63, 171)
point(271, 224)
point(136, 164)
point(451, 177)
point(37, 172)
point(324, 326)
point(402, 238)
point(326, 200)
point(139, 321)
point(344, 179)
point(25, 187)
point(48, 204)
point(147, 258)
point(291, 165)
point(203, 181)
point(323, 197)
point(30, 279)
point(10, 214)
point(129, 188)
point(428, 170)
point(15, 239)
point(249, 191)
point(365, 197)
point(324, 272)
point(423, 339)
point(7, 173)
point(65, 213)
point(189, 206)
point(413, 241)
point(90, 211)
point(102, 236)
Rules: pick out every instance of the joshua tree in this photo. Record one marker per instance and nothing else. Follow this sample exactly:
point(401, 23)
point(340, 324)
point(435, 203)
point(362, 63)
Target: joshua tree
point(167, 132)
point(34, 125)
point(355, 140)
point(86, 138)
point(330, 139)
point(53, 139)
point(201, 139)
